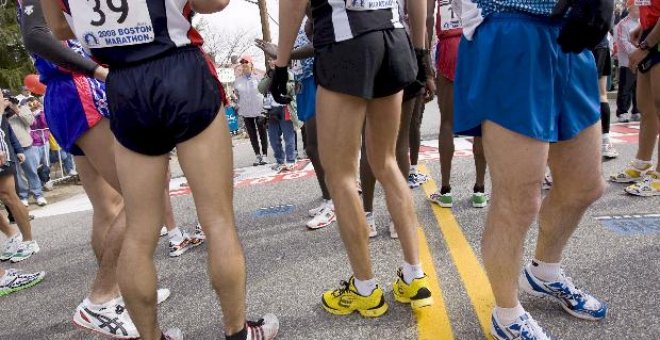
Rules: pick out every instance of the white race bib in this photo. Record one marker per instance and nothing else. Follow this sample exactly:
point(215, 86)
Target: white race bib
point(369, 5)
point(642, 2)
point(448, 18)
point(111, 23)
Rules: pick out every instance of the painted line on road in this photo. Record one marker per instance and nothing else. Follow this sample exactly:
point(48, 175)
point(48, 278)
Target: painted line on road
point(433, 321)
point(467, 264)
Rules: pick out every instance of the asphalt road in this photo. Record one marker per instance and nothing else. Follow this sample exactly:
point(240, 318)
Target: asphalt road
point(289, 267)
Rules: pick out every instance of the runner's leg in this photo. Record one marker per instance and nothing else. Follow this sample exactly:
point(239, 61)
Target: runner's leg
point(415, 133)
point(341, 118)
point(108, 226)
point(10, 199)
point(649, 125)
point(142, 192)
point(446, 137)
point(312, 150)
point(207, 162)
point(516, 200)
point(571, 194)
point(403, 141)
point(382, 127)
point(479, 163)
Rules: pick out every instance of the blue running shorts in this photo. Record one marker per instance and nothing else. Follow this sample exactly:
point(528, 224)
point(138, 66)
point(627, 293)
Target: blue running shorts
point(74, 104)
point(514, 73)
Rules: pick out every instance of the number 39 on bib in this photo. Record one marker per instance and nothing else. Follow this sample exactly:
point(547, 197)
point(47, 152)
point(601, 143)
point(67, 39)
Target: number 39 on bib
point(111, 23)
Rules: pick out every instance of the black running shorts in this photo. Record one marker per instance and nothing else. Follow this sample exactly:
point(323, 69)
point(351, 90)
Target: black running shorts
point(603, 61)
point(159, 103)
point(654, 55)
point(373, 65)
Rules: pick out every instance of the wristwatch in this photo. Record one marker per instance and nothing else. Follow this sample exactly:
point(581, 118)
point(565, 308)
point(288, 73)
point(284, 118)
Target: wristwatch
point(644, 46)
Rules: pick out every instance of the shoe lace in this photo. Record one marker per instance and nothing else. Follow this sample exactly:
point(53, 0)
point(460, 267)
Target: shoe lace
point(119, 309)
point(345, 288)
point(529, 328)
point(257, 323)
point(569, 291)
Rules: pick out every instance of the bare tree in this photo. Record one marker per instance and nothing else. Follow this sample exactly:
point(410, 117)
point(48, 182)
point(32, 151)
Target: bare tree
point(223, 45)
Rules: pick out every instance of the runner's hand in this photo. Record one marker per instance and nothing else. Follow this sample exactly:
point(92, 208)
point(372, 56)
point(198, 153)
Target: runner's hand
point(269, 49)
point(101, 73)
point(636, 35)
point(430, 90)
point(636, 57)
point(421, 55)
point(586, 22)
point(278, 85)
point(21, 157)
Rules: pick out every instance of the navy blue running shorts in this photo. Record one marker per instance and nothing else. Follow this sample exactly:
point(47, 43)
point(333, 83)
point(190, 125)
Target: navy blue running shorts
point(159, 103)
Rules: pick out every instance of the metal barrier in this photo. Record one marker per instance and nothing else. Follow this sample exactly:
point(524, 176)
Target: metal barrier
point(62, 176)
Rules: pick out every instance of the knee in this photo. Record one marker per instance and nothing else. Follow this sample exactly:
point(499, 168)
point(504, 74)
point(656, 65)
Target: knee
point(581, 197)
point(520, 208)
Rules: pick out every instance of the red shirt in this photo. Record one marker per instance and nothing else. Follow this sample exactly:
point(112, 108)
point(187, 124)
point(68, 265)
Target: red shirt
point(649, 15)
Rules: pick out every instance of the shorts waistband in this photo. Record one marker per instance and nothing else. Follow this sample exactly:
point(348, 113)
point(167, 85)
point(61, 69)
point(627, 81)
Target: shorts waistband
point(169, 53)
point(538, 19)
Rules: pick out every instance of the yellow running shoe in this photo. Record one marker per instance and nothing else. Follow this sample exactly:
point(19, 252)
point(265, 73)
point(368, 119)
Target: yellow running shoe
point(649, 186)
point(346, 300)
point(632, 173)
point(417, 293)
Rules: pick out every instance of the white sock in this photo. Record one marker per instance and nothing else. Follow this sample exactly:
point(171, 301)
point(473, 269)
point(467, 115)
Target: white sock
point(93, 306)
point(606, 138)
point(176, 236)
point(546, 271)
point(413, 169)
point(641, 165)
point(508, 316)
point(329, 204)
point(371, 219)
point(411, 272)
point(365, 288)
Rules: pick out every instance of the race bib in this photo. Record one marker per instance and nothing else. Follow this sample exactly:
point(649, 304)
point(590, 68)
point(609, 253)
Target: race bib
point(369, 5)
point(642, 3)
point(448, 18)
point(111, 23)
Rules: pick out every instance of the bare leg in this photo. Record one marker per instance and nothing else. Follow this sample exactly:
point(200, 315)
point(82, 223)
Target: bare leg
point(479, 162)
point(446, 138)
point(13, 203)
point(143, 192)
point(340, 119)
point(367, 179)
point(571, 195)
point(517, 167)
point(207, 163)
point(403, 137)
point(383, 119)
point(650, 122)
point(108, 226)
point(7, 229)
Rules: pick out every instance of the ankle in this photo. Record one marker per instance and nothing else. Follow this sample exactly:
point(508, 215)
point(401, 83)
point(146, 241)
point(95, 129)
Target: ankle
point(445, 189)
point(546, 271)
point(365, 287)
point(508, 316)
point(240, 335)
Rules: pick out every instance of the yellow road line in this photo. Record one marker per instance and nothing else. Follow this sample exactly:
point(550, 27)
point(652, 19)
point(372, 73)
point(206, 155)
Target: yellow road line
point(468, 266)
point(433, 321)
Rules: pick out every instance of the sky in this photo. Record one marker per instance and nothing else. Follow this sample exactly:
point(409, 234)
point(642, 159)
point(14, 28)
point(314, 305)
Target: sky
point(242, 15)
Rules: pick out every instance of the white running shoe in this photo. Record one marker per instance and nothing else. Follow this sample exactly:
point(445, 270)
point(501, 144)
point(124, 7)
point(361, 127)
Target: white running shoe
point(199, 235)
point(264, 329)
point(525, 327)
point(73, 172)
point(15, 281)
point(393, 234)
point(371, 223)
point(110, 319)
point(178, 249)
point(609, 152)
point(25, 251)
point(323, 219)
point(25, 202)
point(163, 231)
point(11, 246)
point(315, 211)
point(41, 201)
point(624, 117)
point(48, 186)
point(636, 117)
point(173, 334)
point(162, 294)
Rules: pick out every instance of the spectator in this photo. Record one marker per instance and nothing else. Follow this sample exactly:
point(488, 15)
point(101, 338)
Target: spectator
point(280, 124)
point(40, 134)
point(627, 79)
point(21, 119)
point(250, 107)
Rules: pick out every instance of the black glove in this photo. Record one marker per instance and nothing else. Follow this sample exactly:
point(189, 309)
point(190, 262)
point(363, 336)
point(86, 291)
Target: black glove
point(421, 55)
point(278, 85)
point(586, 23)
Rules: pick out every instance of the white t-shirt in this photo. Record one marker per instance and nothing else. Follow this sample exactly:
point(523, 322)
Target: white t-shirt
point(250, 101)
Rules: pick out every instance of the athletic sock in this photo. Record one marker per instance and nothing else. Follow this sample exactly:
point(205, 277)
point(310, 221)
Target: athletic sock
point(546, 271)
point(606, 138)
point(176, 236)
point(413, 169)
point(242, 335)
point(445, 190)
point(371, 218)
point(411, 272)
point(605, 117)
point(93, 306)
point(365, 288)
point(641, 165)
point(508, 316)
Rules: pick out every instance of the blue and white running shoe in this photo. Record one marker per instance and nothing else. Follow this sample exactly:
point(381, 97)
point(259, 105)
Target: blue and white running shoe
point(574, 301)
point(525, 328)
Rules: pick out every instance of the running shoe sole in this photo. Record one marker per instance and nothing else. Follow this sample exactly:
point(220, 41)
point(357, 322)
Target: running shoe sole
point(641, 193)
point(29, 285)
point(323, 225)
point(367, 313)
point(479, 205)
point(87, 328)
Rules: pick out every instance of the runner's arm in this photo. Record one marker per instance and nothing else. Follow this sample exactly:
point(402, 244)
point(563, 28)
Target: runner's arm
point(417, 12)
point(38, 39)
point(289, 25)
point(56, 20)
point(208, 6)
